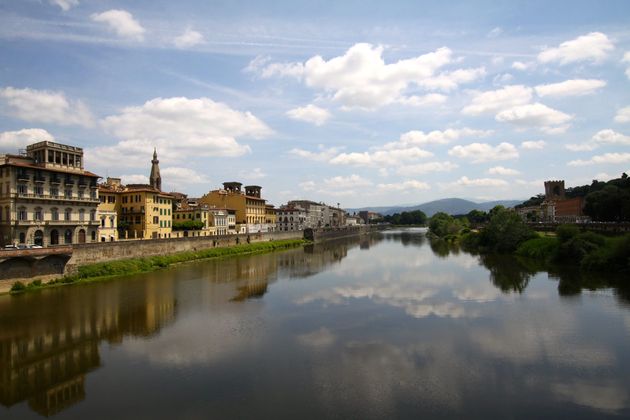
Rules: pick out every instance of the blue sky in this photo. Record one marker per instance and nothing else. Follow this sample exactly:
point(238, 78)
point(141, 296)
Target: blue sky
point(352, 102)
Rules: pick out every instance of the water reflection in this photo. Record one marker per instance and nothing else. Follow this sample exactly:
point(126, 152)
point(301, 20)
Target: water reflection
point(49, 340)
point(370, 327)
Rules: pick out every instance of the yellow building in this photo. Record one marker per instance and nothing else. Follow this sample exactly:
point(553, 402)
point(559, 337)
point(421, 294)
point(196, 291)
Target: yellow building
point(145, 212)
point(251, 214)
point(107, 210)
point(270, 215)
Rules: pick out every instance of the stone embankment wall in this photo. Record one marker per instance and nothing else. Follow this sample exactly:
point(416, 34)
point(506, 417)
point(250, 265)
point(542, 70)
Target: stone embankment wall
point(318, 235)
point(108, 251)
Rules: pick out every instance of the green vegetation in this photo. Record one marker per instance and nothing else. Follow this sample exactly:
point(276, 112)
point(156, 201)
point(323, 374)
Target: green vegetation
point(141, 265)
point(587, 250)
point(416, 217)
point(446, 226)
point(188, 225)
point(604, 201)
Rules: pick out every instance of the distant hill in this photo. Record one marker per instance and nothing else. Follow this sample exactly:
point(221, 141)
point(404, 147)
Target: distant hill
point(447, 205)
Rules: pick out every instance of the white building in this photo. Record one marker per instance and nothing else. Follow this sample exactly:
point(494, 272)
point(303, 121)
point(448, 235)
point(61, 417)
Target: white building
point(291, 219)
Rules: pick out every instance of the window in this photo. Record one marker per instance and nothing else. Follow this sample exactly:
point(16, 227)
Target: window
point(102, 222)
point(68, 193)
point(54, 191)
point(67, 215)
point(22, 189)
point(111, 199)
point(81, 215)
point(92, 215)
point(39, 190)
point(80, 194)
point(22, 213)
point(156, 220)
point(138, 220)
point(54, 213)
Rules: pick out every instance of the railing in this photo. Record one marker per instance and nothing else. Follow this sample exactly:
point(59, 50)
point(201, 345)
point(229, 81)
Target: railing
point(50, 223)
point(57, 197)
point(40, 179)
point(55, 180)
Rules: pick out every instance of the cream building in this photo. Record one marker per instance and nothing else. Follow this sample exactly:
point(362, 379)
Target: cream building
point(251, 214)
point(46, 196)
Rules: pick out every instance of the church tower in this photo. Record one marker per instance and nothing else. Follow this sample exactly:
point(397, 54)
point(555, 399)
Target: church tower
point(155, 179)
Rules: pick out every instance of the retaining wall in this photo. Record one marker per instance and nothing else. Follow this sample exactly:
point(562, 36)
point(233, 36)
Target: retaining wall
point(108, 251)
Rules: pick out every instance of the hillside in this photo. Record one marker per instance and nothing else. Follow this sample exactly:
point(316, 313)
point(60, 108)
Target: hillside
point(447, 205)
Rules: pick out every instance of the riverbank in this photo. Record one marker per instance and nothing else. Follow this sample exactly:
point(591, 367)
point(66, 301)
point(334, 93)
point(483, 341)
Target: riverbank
point(110, 269)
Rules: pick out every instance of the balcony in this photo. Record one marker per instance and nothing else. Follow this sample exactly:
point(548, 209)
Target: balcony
point(55, 180)
point(57, 197)
point(40, 179)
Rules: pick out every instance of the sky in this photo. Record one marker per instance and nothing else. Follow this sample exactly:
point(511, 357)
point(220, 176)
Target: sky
point(361, 103)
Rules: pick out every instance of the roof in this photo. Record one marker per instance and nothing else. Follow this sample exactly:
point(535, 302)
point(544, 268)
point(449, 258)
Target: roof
point(81, 172)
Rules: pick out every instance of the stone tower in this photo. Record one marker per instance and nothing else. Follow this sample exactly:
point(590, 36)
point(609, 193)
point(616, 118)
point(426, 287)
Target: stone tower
point(554, 190)
point(155, 179)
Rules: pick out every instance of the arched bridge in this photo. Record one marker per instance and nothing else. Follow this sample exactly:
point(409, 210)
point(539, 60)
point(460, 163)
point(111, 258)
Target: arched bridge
point(34, 262)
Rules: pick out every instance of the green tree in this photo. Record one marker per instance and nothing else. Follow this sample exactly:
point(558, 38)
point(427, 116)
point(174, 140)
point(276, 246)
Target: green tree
point(505, 231)
point(442, 224)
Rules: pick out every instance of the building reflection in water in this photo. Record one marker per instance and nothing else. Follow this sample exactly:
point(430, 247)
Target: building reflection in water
point(50, 340)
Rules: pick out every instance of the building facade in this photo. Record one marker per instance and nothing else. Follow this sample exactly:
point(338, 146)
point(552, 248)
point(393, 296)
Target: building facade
point(291, 219)
point(46, 196)
point(248, 205)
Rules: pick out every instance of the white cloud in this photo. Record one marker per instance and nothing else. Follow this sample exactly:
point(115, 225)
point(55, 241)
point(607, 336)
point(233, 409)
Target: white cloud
point(180, 128)
point(321, 338)
point(380, 157)
point(423, 168)
point(500, 170)
point(480, 182)
point(188, 39)
point(494, 32)
point(122, 23)
point(536, 115)
point(521, 66)
point(346, 182)
point(323, 155)
point(626, 59)
point(65, 4)
point(252, 174)
point(178, 178)
point(407, 185)
point(420, 138)
point(307, 185)
point(502, 79)
point(575, 87)
point(483, 152)
point(360, 78)
point(607, 158)
point(134, 179)
point(533, 145)
point(583, 147)
point(594, 47)
point(310, 113)
point(609, 136)
point(496, 100)
point(11, 141)
point(623, 115)
point(44, 106)
point(602, 137)
point(424, 100)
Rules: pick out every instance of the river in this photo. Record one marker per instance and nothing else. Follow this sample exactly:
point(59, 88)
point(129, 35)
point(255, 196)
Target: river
point(385, 326)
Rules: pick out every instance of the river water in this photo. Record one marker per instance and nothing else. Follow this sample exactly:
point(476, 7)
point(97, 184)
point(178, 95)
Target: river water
point(386, 326)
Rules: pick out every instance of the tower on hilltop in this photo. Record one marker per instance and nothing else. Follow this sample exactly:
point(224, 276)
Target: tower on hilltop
point(155, 179)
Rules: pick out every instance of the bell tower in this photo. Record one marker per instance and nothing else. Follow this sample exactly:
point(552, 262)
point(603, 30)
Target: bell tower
point(155, 179)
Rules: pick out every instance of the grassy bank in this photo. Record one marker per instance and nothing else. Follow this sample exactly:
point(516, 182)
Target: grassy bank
point(99, 271)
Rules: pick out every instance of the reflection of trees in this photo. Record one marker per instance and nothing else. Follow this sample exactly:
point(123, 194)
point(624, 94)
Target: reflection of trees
point(507, 272)
point(572, 280)
point(49, 340)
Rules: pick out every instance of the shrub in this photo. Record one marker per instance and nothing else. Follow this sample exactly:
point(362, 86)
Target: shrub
point(566, 232)
point(539, 248)
point(579, 246)
point(18, 287)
